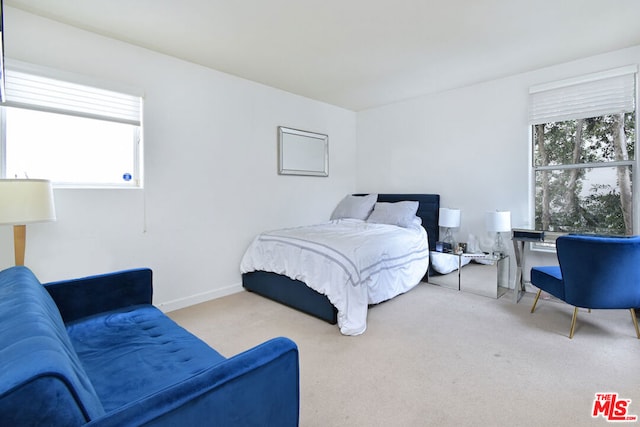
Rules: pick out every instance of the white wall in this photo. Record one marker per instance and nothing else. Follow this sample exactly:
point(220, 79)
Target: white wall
point(211, 181)
point(471, 145)
point(210, 161)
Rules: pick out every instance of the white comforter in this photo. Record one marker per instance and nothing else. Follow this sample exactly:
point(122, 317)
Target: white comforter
point(352, 262)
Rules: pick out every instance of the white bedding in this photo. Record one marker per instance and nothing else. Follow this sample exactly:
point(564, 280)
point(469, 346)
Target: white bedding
point(353, 262)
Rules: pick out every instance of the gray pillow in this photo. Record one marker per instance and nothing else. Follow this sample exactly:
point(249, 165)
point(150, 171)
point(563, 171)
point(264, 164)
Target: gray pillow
point(399, 213)
point(358, 207)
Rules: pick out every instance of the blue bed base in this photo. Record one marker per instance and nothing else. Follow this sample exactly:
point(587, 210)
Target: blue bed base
point(298, 295)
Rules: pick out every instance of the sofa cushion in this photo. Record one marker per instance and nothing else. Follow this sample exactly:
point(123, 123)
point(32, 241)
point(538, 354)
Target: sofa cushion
point(42, 380)
point(137, 351)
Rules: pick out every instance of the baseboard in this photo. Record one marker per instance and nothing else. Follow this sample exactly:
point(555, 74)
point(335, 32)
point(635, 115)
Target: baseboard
point(177, 304)
point(199, 298)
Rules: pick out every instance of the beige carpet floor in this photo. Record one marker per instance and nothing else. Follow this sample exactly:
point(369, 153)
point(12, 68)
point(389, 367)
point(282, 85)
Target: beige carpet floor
point(439, 357)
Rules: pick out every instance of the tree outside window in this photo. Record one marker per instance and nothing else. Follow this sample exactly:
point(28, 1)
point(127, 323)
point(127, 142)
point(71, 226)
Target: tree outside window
point(583, 174)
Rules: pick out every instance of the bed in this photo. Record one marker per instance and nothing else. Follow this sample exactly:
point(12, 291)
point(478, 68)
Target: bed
point(318, 276)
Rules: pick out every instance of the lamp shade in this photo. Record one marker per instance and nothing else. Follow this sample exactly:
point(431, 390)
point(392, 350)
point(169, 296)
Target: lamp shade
point(498, 221)
point(24, 201)
point(449, 217)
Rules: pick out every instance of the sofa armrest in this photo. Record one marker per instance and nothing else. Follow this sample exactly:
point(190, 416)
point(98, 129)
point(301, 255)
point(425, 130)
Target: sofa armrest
point(259, 387)
point(77, 298)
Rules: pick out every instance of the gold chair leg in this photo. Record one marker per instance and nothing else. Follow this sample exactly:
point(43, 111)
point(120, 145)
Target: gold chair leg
point(573, 322)
point(535, 301)
point(635, 322)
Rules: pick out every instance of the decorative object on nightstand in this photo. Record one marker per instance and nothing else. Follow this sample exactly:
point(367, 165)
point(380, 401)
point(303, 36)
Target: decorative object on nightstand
point(498, 222)
point(25, 201)
point(448, 219)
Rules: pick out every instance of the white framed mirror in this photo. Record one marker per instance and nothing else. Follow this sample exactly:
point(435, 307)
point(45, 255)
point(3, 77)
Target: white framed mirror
point(302, 153)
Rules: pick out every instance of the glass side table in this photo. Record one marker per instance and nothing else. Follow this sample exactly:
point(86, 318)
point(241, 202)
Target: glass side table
point(487, 276)
point(482, 274)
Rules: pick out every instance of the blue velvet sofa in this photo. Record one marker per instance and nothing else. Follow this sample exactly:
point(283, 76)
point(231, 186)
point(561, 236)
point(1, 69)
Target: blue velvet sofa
point(95, 351)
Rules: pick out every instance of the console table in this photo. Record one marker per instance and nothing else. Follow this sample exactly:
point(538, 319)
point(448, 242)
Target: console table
point(520, 236)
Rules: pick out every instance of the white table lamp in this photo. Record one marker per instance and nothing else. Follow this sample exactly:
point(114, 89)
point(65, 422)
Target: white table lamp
point(498, 222)
point(25, 201)
point(448, 219)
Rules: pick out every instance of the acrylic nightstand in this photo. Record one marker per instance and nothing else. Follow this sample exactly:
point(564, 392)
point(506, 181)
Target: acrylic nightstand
point(481, 274)
point(487, 276)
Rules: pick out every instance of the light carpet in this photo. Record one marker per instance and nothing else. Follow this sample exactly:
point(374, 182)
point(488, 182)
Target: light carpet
point(439, 357)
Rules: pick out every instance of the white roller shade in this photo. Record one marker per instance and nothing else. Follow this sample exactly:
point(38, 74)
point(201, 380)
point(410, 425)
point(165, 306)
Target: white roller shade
point(593, 95)
point(46, 94)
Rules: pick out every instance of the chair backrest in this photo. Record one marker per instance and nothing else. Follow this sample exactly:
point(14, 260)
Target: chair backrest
point(600, 271)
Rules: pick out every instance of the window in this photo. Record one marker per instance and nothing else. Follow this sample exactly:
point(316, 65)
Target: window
point(584, 139)
point(72, 134)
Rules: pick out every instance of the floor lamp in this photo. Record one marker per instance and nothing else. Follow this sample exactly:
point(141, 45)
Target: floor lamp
point(22, 202)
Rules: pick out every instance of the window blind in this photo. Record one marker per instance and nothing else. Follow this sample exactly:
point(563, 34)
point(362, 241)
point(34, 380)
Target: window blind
point(36, 92)
point(593, 95)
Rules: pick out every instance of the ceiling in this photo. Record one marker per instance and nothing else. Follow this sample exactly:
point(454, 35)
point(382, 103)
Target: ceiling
point(359, 54)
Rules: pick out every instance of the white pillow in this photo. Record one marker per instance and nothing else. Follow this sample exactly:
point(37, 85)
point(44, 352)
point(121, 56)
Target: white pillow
point(416, 223)
point(358, 207)
point(445, 263)
point(398, 213)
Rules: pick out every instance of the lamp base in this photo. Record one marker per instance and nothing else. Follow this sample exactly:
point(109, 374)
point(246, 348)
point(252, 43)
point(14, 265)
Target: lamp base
point(19, 242)
point(448, 237)
point(499, 249)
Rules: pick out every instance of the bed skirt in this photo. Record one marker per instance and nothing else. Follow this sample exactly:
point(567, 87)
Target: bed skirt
point(292, 293)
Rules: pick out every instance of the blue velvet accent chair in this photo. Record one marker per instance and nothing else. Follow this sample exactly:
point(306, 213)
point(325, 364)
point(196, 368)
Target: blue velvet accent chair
point(595, 272)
